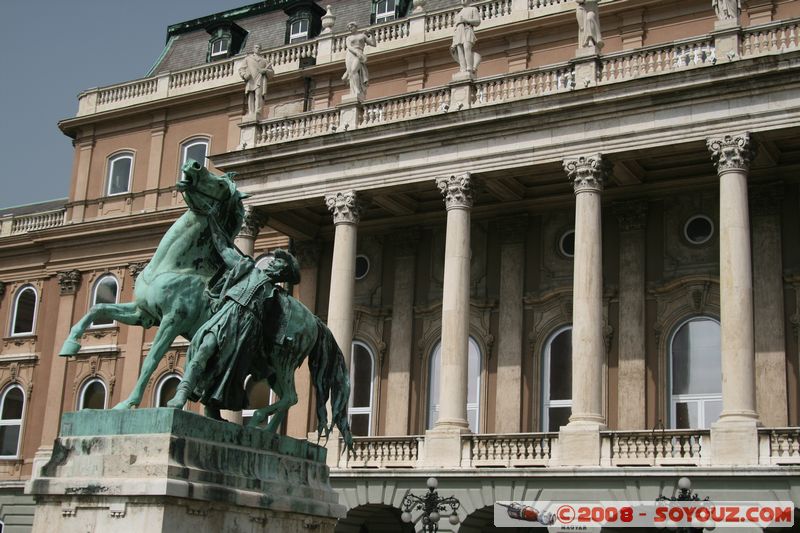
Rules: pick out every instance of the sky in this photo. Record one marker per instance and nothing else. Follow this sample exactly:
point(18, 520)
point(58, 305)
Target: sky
point(53, 50)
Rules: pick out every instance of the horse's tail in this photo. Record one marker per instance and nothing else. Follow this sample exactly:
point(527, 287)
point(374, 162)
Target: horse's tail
point(330, 378)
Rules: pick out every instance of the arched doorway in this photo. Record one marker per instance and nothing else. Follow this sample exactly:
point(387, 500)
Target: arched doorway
point(373, 518)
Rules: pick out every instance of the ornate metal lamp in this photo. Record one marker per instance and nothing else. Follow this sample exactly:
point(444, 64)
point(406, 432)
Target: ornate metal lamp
point(685, 494)
point(432, 507)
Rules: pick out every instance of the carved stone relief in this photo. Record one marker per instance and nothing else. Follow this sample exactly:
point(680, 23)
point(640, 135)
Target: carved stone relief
point(173, 362)
point(368, 327)
point(480, 315)
point(99, 365)
point(680, 256)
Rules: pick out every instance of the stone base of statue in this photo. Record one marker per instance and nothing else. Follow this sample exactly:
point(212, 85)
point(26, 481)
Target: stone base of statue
point(166, 470)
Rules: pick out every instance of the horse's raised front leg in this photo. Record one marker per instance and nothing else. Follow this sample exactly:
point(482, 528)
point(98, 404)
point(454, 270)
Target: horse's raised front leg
point(194, 369)
point(127, 313)
point(167, 333)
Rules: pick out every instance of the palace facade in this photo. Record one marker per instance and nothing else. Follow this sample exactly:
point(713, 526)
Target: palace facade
point(573, 275)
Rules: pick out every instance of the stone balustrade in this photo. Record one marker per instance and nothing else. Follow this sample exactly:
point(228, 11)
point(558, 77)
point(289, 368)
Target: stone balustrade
point(405, 107)
point(655, 60)
point(674, 448)
point(15, 225)
point(529, 84)
point(770, 38)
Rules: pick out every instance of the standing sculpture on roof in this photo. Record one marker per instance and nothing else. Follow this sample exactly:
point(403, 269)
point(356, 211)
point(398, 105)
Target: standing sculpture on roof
point(588, 24)
point(255, 71)
point(727, 9)
point(355, 61)
point(464, 39)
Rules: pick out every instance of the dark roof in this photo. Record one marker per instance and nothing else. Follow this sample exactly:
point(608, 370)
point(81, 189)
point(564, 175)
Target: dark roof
point(38, 207)
point(265, 24)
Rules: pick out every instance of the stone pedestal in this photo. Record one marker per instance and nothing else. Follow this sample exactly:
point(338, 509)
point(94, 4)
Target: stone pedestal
point(349, 112)
point(462, 91)
point(174, 471)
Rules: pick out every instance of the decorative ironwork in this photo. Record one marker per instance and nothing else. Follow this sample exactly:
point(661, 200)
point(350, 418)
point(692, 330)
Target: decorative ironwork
point(685, 494)
point(432, 507)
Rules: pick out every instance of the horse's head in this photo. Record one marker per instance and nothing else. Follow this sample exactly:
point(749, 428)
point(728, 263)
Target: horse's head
point(210, 195)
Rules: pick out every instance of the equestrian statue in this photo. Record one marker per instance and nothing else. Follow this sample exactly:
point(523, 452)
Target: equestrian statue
point(239, 320)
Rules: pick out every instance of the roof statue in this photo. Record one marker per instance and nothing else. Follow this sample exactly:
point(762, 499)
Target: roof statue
point(255, 71)
point(588, 24)
point(464, 39)
point(240, 321)
point(355, 61)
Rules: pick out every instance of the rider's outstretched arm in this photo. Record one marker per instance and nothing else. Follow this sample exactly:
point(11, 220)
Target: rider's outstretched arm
point(226, 249)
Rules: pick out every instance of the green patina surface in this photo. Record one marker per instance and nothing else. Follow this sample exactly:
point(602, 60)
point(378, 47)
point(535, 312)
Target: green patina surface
point(183, 424)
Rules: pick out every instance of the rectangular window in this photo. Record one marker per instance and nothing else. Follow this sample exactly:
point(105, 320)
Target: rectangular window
point(384, 11)
point(119, 174)
point(298, 31)
point(219, 48)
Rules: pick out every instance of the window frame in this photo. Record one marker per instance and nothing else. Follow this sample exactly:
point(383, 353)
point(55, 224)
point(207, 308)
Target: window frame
point(476, 406)
point(85, 386)
point(15, 309)
point(298, 37)
point(188, 143)
point(117, 156)
point(160, 384)
point(93, 299)
point(547, 403)
point(699, 398)
point(15, 421)
point(222, 53)
point(384, 16)
point(362, 410)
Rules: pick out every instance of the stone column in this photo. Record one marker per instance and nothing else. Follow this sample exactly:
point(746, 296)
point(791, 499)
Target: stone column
point(346, 210)
point(580, 439)
point(307, 254)
point(770, 336)
point(509, 345)
point(734, 439)
point(443, 442)
point(68, 283)
point(631, 370)
point(401, 340)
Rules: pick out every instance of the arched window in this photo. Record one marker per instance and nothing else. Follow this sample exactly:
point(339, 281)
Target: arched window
point(24, 315)
point(120, 167)
point(12, 406)
point(473, 385)
point(362, 377)
point(259, 395)
point(166, 388)
point(93, 395)
point(196, 148)
point(557, 380)
point(105, 291)
point(695, 374)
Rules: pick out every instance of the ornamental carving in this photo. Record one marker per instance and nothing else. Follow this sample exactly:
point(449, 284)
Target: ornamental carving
point(587, 173)
point(69, 281)
point(732, 152)
point(346, 207)
point(307, 253)
point(631, 215)
point(251, 225)
point(136, 268)
point(457, 190)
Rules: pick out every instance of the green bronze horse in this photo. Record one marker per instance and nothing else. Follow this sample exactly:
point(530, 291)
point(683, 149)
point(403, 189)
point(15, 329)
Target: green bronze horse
point(171, 291)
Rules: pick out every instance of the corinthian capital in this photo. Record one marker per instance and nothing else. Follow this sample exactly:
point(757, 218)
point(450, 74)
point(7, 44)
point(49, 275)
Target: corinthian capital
point(457, 190)
point(731, 152)
point(252, 222)
point(345, 207)
point(69, 281)
point(587, 173)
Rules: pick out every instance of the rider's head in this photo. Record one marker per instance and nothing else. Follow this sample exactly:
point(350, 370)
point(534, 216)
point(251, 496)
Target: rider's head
point(284, 267)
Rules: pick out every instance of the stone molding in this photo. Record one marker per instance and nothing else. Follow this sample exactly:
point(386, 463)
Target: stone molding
point(457, 190)
point(252, 222)
point(632, 216)
point(136, 268)
point(587, 173)
point(345, 206)
point(69, 282)
point(731, 152)
point(765, 200)
point(307, 253)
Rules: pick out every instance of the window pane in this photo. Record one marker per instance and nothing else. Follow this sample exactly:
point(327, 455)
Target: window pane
point(105, 293)
point(686, 415)
point(696, 358)
point(257, 393)
point(434, 368)
point(359, 424)
point(26, 308)
point(196, 151)
point(362, 377)
point(9, 439)
point(120, 174)
point(168, 389)
point(557, 417)
point(94, 396)
point(561, 366)
point(12, 405)
point(711, 411)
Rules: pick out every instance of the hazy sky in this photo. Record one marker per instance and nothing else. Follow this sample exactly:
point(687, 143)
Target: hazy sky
point(54, 49)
